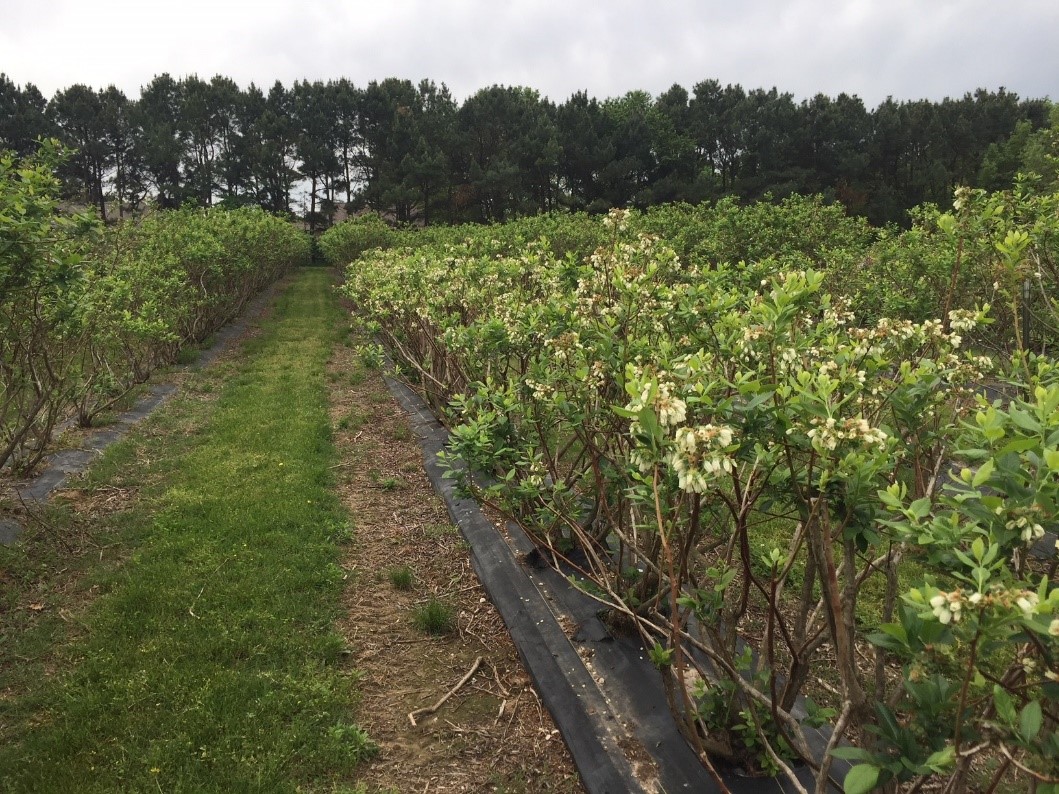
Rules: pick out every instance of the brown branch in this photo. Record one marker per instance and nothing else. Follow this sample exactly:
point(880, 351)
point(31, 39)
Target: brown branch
point(431, 709)
point(1024, 768)
point(823, 776)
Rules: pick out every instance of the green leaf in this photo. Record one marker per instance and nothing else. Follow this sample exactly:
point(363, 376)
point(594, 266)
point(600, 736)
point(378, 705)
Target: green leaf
point(1004, 705)
point(757, 400)
point(888, 724)
point(984, 472)
point(891, 636)
point(942, 760)
point(649, 422)
point(861, 779)
point(661, 657)
point(852, 754)
point(920, 508)
point(891, 497)
point(1025, 421)
point(886, 642)
point(817, 716)
point(978, 548)
point(1019, 445)
point(1030, 720)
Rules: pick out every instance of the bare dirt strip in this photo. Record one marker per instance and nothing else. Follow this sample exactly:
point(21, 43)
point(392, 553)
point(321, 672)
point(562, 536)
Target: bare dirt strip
point(492, 735)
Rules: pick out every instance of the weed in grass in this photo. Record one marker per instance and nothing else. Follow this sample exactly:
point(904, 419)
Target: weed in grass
point(352, 422)
point(401, 577)
point(341, 531)
point(187, 355)
point(371, 356)
point(402, 433)
point(434, 617)
point(385, 483)
point(104, 419)
point(438, 531)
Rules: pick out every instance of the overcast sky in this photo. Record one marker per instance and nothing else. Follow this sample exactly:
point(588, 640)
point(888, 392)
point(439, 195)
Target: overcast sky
point(908, 49)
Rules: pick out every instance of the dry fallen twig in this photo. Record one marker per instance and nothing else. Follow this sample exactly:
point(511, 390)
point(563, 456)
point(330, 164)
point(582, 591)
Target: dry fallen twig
point(191, 609)
point(431, 709)
point(501, 687)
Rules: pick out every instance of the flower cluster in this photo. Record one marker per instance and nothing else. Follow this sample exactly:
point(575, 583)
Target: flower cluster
point(617, 219)
point(947, 606)
point(963, 320)
point(826, 434)
point(839, 314)
point(660, 395)
point(565, 346)
point(597, 375)
point(1028, 531)
point(1029, 602)
point(700, 454)
point(541, 391)
point(670, 408)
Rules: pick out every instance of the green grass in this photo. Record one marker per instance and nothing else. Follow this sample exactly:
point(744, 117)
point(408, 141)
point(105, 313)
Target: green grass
point(209, 662)
point(434, 617)
point(353, 421)
point(438, 531)
point(401, 577)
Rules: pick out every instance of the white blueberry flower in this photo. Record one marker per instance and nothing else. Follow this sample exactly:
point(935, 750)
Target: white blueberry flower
point(1028, 603)
point(946, 607)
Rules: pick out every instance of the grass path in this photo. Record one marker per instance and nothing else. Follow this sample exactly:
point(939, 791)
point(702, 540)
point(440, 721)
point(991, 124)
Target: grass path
point(205, 658)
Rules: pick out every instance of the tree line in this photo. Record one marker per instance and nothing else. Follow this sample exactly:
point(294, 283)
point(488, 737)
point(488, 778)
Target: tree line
point(413, 152)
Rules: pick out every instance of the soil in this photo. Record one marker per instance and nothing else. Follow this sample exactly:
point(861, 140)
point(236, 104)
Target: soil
point(492, 735)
